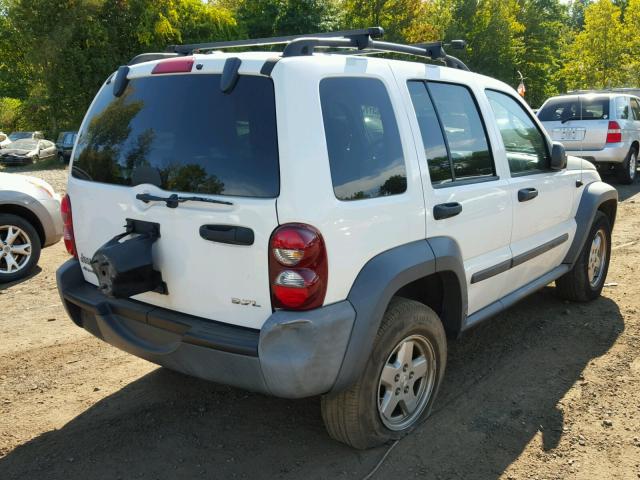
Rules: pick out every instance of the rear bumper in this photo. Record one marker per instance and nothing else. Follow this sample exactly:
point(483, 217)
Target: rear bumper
point(615, 153)
point(294, 355)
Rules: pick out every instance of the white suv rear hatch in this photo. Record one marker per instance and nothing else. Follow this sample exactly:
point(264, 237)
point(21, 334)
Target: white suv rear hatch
point(178, 133)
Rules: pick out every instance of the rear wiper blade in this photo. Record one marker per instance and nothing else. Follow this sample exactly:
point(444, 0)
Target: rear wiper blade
point(572, 117)
point(172, 201)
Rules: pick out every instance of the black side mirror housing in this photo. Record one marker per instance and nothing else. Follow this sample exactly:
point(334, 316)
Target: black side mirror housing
point(558, 157)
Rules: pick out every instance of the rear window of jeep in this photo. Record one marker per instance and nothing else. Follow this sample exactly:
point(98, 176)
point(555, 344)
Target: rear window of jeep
point(183, 134)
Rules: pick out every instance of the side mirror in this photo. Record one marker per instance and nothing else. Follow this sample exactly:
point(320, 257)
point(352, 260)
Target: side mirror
point(558, 157)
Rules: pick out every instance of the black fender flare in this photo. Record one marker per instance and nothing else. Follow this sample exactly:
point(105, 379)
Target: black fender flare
point(377, 282)
point(593, 196)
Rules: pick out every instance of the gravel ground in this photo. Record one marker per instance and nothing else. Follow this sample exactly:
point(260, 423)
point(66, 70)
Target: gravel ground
point(547, 390)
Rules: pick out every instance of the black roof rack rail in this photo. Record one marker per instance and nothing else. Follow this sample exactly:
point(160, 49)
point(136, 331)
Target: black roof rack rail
point(373, 32)
point(363, 40)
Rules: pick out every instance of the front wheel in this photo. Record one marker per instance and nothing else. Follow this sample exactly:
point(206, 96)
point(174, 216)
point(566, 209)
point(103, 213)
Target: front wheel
point(586, 279)
point(628, 169)
point(399, 384)
point(61, 159)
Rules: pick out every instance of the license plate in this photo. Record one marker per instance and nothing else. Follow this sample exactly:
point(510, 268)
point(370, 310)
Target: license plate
point(568, 133)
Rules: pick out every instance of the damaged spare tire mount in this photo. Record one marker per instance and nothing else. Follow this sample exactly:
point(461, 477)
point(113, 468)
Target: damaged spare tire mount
point(124, 265)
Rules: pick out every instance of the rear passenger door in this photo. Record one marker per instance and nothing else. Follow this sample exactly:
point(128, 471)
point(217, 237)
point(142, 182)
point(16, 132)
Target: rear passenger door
point(542, 223)
point(466, 193)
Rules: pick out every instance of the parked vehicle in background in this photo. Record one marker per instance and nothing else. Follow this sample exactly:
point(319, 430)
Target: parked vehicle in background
point(313, 224)
point(603, 128)
point(29, 220)
point(4, 139)
point(23, 135)
point(626, 90)
point(64, 144)
point(26, 151)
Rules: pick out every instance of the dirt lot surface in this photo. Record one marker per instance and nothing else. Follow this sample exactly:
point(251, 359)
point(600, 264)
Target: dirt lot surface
point(548, 390)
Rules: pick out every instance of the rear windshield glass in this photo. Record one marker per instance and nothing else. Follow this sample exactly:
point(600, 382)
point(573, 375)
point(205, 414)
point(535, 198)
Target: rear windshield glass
point(575, 108)
point(183, 134)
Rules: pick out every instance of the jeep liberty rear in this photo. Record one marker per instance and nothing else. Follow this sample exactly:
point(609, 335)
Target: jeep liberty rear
point(303, 224)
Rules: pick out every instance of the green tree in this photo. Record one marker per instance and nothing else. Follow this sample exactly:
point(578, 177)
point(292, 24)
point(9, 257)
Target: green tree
point(266, 18)
point(631, 61)
point(494, 36)
point(545, 27)
point(595, 58)
point(395, 16)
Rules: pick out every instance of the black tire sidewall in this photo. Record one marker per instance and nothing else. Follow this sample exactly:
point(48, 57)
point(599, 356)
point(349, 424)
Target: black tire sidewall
point(419, 320)
point(27, 227)
point(623, 170)
point(601, 221)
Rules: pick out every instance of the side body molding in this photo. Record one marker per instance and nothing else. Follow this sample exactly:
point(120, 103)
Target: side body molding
point(379, 280)
point(594, 195)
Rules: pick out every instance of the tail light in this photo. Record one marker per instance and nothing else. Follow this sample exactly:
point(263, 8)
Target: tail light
point(67, 230)
point(297, 267)
point(614, 132)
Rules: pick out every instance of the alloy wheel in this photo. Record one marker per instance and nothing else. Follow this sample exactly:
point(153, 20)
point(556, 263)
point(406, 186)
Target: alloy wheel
point(597, 258)
point(406, 382)
point(15, 249)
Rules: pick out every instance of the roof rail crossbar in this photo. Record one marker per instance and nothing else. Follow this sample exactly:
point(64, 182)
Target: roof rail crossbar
point(373, 32)
point(434, 51)
point(363, 40)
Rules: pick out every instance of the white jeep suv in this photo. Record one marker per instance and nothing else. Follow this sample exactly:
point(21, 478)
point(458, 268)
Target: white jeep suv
point(305, 223)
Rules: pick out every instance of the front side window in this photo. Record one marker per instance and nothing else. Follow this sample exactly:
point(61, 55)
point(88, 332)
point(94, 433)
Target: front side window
point(363, 141)
point(524, 144)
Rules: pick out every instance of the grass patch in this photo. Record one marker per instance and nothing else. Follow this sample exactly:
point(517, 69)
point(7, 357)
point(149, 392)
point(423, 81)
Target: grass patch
point(51, 164)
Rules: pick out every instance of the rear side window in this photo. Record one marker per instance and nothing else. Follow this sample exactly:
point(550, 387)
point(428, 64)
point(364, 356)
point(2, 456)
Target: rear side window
point(183, 134)
point(575, 108)
point(635, 108)
point(363, 141)
point(435, 148)
point(465, 138)
point(622, 108)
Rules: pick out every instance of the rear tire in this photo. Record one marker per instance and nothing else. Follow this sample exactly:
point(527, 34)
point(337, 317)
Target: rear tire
point(410, 340)
point(627, 171)
point(586, 279)
point(61, 159)
point(26, 235)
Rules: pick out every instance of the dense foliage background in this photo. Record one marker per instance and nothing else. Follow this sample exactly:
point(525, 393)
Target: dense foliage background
point(54, 54)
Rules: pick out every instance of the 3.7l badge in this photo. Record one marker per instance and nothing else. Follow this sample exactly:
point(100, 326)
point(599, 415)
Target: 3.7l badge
point(244, 301)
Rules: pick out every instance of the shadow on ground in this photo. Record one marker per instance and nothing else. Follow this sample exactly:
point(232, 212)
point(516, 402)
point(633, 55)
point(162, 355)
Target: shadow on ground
point(504, 381)
point(36, 271)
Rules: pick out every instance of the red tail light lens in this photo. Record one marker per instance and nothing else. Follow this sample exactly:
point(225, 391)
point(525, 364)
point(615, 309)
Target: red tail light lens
point(67, 222)
point(297, 267)
point(174, 65)
point(614, 132)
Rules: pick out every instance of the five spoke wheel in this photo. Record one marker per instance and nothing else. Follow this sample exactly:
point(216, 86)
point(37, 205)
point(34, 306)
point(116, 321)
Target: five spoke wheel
point(15, 249)
point(406, 382)
point(597, 257)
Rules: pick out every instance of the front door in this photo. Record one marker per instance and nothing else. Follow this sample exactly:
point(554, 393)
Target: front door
point(542, 198)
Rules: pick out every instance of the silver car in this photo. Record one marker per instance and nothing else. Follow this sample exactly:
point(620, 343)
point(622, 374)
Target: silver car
point(29, 220)
point(603, 128)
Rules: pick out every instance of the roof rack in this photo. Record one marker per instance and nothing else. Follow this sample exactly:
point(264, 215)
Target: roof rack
point(304, 45)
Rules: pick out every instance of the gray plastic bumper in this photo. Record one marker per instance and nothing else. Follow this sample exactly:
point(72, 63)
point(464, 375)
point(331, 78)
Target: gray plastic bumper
point(294, 355)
